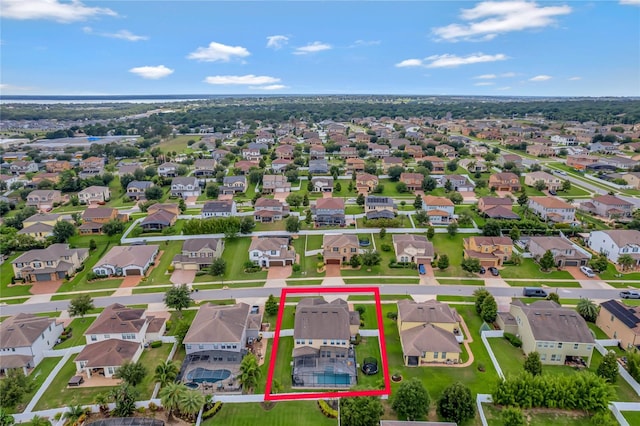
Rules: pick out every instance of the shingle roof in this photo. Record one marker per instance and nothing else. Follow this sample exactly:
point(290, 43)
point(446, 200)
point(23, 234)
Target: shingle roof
point(217, 323)
point(121, 256)
point(97, 212)
point(22, 330)
point(428, 338)
point(551, 202)
point(108, 353)
point(317, 319)
point(196, 244)
point(427, 312)
point(623, 237)
point(330, 203)
point(218, 206)
point(552, 323)
point(339, 240)
point(118, 319)
point(53, 252)
point(403, 241)
point(610, 200)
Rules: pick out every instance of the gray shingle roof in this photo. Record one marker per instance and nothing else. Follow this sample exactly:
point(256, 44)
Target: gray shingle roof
point(317, 319)
point(217, 323)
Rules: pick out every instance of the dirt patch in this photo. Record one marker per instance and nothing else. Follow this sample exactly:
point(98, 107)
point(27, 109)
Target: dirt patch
point(45, 287)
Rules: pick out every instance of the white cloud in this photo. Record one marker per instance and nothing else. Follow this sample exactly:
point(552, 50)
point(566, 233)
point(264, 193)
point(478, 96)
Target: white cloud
point(541, 77)
point(52, 10)
point(504, 88)
point(450, 61)
point(218, 52)
point(277, 41)
point(409, 63)
point(152, 72)
point(576, 78)
point(270, 87)
point(365, 43)
point(508, 74)
point(491, 18)
point(486, 77)
point(316, 46)
point(122, 34)
point(484, 83)
point(630, 2)
point(249, 79)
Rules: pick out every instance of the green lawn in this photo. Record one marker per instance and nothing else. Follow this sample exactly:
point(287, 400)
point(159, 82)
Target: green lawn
point(539, 418)
point(308, 264)
point(179, 143)
point(369, 347)
point(92, 294)
point(282, 370)
point(304, 282)
point(633, 417)
point(383, 268)
point(6, 273)
point(150, 358)
point(78, 327)
point(79, 281)
point(452, 247)
point(530, 269)
point(611, 272)
point(158, 274)
point(368, 281)
point(236, 253)
point(274, 226)
point(314, 242)
point(299, 413)
point(37, 377)
point(512, 283)
point(479, 220)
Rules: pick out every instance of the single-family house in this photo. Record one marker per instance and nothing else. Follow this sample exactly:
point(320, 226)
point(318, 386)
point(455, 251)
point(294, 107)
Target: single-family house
point(92, 162)
point(233, 184)
point(23, 340)
point(473, 166)
point(541, 150)
point(103, 358)
point(560, 335)
point(348, 152)
point(198, 253)
point(565, 253)
point(388, 162)
point(355, 165)
point(377, 207)
point(317, 152)
point(284, 152)
point(204, 168)
point(279, 165)
point(339, 248)
point(414, 151)
point(490, 251)
point(505, 181)
point(429, 333)
point(366, 182)
point(267, 210)
point(621, 322)
point(633, 179)
point(137, 188)
point(127, 260)
point(551, 182)
point(245, 166)
point(322, 351)
point(412, 180)
point(457, 182)
point(168, 169)
point(94, 219)
point(411, 248)
point(158, 221)
point(185, 186)
point(615, 243)
point(329, 212)
point(45, 199)
point(376, 150)
point(608, 206)
point(510, 158)
point(271, 251)
point(170, 207)
point(57, 166)
point(94, 194)
point(446, 150)
point(120, 322)
point(219, 208)
point(439, 209)
point(50, 264)
point(272, 184)
point(40, 225)
point(322, 183)
point(251, 154)
point(437, 163)
point(553, 209)
point(23, 167)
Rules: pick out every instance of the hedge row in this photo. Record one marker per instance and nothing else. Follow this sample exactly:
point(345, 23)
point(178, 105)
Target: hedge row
point(327, 410)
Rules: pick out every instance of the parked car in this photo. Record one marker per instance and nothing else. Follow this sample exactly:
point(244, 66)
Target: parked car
point(422, 269)
point(482, 270)
point(534, 292)
point(630, 294)
point(587, 271)
point(552, 192)
point(494, 271)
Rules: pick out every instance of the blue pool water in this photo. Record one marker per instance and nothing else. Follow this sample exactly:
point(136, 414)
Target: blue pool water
point(332, 379)
point(192, 385)
point(200, 375)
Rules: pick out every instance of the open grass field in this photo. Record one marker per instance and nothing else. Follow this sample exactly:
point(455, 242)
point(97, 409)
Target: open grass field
point(299, 413)
point(178, 143)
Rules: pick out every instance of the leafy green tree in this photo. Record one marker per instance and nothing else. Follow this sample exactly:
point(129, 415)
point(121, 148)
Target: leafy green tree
point(456, 197)
point(633, 364)
point(361, 411)
point(608, 368)
point(430, 233)
point(523, 199)
point(532, 364)
point(249, 372)
point(443, 262)
point(13, 388)
point(626, 261)
point(452, 229)
point(394, 173)
point(271, 306)
point(546, 261)
point(62, 231)
point(491, 228)
point(599, 263)
point(411, 400)
point(166, 372)
point(383, 233)
point(354, 261)
point(73, 413)
point(554, 297)
point(471, 265)
point(587, 309)
point(566, 186)
point(131, 373)
point(6, 419)
point(305, 200)
point(247, 224)
point(153, 193)
point(338, 187)
point(190, 403)
point(489, 310)
point(218, 267)
point(370, 258)
point(360, 199)
point(182, 206)
point(421, 218)
point(480, 294)
point(456, 404)
point(113, 227)
point(92, 245)
point(292, 224)
point(417, 203)
point(35, 421)
point(212, 190)
point(429, 184)
point(79, 306)
point(178, 298)
point(512, 416)
point(294, 200)
point(514, 234)
point(540, 185)
point(125, 398)
point(170, 396)
point(401, 187)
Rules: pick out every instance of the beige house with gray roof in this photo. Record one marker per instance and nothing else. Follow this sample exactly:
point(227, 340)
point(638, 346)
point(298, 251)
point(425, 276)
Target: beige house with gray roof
point(50, 264)
point(198, 253)
point(413, 248)
point(126, 260)
point(560, 335)
point(271, 251)
point(339, 248)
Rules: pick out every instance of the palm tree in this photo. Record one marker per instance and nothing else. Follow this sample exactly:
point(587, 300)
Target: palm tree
point(39, 421)
point(171, 395)
point(249, 372)
point(626, 261)
point(587, 310)
point(6, 419)
point(102, 400)
point(166, 372)
point(191, 402)
point(73, 413)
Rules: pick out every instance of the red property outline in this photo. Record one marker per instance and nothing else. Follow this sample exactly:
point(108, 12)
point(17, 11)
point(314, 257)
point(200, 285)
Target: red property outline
point(268, 396)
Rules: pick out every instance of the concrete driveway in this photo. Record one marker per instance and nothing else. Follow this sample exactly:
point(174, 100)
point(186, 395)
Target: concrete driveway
point(579, 275)
point(279, 272)
point(130, 281)
point(180, 276)
point(332, 271)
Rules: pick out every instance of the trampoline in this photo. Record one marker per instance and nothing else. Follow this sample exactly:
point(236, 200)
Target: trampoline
point(370, 366)
point(199, 375)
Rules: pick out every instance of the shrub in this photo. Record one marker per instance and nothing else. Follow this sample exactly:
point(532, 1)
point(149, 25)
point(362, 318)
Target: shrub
point(169, 325)
point(358, 339)
point(295, 267)
point(392, 315)
point(385, 247)
point(153, 407)
point(327, 410)
point(171, 268)
point(212, 411)
point(156, 344)
point(200, 273)
point(513, 339)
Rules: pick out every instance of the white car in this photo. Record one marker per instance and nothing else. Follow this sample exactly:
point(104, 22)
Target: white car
point(587, 271)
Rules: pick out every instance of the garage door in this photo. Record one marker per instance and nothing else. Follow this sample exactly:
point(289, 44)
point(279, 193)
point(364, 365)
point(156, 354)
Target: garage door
point(333, 261)
point(43, 277)
point(135, 271)
point(571, 263)
point(487, 262)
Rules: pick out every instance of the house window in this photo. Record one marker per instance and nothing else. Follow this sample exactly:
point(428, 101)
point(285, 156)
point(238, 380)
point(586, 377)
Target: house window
point(324, 342)
point(310, 342)
point(37, 264)
point(336, 249)
point(435, 355)
point(333, 342)
point(560, 345)
point(354, 250)
point(444, 355)
point(543, 357)
point(612, 318)
point(94, 338)
point(129, 336)
point(106, 336)
point(575, 346)
point(200, 346)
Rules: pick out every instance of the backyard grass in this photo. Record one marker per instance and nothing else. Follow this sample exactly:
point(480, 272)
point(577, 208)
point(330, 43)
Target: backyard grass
point(236, 253)
point(158, 274)
point(282, 370)
point(314, 242)
point(150, 358)
point(299, 413)
point(530, 269)
point(178, 143)
point(611, 274)
point(308, 264)
point(78, 327)
point(274, 226)
point(633, 417)
point(540, 418)
point(368, 347)
point(37, 377)
point(452, 247)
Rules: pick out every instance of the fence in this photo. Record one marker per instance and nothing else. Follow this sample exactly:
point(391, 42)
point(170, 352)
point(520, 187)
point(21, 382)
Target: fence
point(484, 335)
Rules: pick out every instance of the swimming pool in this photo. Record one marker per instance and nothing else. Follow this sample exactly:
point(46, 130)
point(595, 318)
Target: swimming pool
point(200, 375)
point(332, 379)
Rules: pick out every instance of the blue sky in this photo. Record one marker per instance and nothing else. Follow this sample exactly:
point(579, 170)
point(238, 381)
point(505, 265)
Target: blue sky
point(500, 48)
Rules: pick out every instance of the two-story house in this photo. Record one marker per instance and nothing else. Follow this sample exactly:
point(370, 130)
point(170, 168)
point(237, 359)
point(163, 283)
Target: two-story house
point(615, 243)
point(219, 208)
point(497, 208)
point(184, 187)
point(233, 184)
point(339, 248)
point(439, 209)
point(168, 169)
point(271, 251)
point(275, 183)
point(388, 162)
point(366, 182)
point(284, 152)
point(412, 180)
point(447, 150)
point(621, 322)
point(376, 150)
point(415, 151)
point(198, 253)
point(45, 199)
point(560, 335)
point(251, 154)
point(40, 225)
point(94, 219)
point(136, 189)
point(490, 251)
point(23, 340)
point(126, 260)
point(377, 207)
point(50, 264)
point(608, 206)
point(457, 182)
point(540, 150)
point(551, 182)
point(437, 163)
point(430, 332)
point(57, 166)
point(348, 152)
point(322, 183)
point(411, 248)
point(317, 152)
point(204, 168)
point(329, 212)
point(565, 253)
point(158, 220)
point(506, 181)
point(94, 194)
point(267, 210)
point(23, 167)
point(279, 165)
point(322, 351)
point(355, 165)
point(553, 209)
point(510, 158)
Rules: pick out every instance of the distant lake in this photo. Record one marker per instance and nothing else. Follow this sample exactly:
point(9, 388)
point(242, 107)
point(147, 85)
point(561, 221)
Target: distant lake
point(136, 99)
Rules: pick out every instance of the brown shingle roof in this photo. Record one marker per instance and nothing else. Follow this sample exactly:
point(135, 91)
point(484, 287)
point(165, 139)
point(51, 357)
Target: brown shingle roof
point(330, 203)
point(22, 330)
point(426, 312)
point(317, 319)
point(118, 319)
point(217, 323)
point(121, 256)
point(552, 323)
point(108, 353)
point(551, 202)
point(428, 338)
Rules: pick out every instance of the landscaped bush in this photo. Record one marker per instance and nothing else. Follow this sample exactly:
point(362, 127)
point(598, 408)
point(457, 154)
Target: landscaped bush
point(295, 267)
point(326, 410)
point(156, 344)
point(200, 273)
point(358, 339)
point(171, 268)
point(513, 339)
point(385, 247)
point(212, 411)
point(402, 265)
point(392, 315)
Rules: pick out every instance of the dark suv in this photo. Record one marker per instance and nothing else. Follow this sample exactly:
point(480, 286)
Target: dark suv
point(494, 271)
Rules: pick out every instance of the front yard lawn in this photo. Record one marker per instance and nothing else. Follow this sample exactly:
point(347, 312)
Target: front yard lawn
point(78, 327)
point(158, 274)
point(530, 269)
point(452, 247)
point(6, 273)
point(383, 268)
point(299, 413)
point(236, 253)
point(610, 274)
